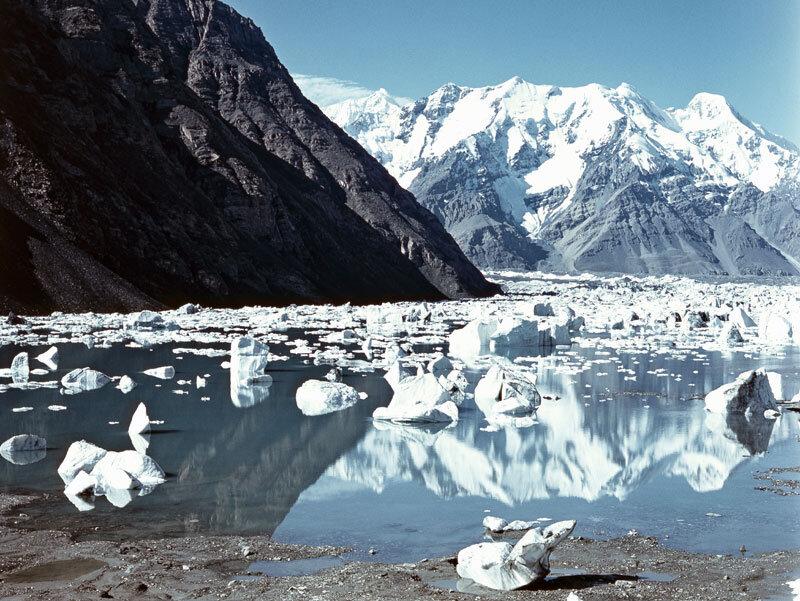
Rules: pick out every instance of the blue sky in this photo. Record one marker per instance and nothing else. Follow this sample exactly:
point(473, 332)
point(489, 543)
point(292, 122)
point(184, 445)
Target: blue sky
point(748, 51)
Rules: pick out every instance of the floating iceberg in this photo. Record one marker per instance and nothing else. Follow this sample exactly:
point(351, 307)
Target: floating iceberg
point(166, 372)
point(750, 393)
point(19, 369)
point(49, 358)
point(420, 399)
point(503, 391)
point(24, 449)
point(84, 379)
point(319, 397)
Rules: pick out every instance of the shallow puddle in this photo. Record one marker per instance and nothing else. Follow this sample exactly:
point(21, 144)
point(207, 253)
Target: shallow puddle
point(67, 569)
point(295, 567)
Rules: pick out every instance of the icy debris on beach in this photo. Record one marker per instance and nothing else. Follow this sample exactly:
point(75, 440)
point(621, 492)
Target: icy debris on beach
point(750, 393)
point(501, 566)
point(498, 525)
point(88, 471)
point(319, 397)
point(84, 379)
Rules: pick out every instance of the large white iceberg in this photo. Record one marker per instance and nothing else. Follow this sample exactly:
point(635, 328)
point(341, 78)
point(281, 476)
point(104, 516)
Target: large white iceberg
point(504, 567)
point(749, 393)
point(420, 399)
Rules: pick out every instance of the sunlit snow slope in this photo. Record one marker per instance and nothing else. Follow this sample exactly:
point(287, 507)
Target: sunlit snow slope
point(591, 178)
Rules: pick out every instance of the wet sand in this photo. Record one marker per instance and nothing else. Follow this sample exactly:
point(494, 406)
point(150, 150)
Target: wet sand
point(51, 560)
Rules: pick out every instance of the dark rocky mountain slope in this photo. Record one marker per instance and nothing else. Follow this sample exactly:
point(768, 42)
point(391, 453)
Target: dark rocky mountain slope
point(156, 152)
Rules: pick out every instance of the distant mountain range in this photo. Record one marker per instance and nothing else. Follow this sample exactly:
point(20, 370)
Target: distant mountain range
point(591, 178)
point(156, 152)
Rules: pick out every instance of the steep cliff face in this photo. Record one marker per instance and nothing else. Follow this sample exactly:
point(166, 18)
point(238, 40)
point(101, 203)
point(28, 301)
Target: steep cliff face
point(157, 152)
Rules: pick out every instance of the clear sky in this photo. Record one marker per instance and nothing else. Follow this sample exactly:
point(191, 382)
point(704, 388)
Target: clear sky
point(746, 50)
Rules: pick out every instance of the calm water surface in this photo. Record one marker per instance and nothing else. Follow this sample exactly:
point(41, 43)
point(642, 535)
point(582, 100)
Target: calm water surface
point(614, 453)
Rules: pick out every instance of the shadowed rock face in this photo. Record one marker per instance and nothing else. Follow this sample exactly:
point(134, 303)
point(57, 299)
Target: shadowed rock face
point(157, 152)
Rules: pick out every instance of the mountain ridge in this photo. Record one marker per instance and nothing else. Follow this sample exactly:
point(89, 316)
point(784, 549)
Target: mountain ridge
point(539, 167)
point(133, 166)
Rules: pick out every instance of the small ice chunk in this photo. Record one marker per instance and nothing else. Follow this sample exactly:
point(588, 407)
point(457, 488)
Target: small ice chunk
point(162, 373)
point(150, 321)
point(543, 310)
point(49, 358)
point(494, 524)
point(503, 391)
point(126, 384)
point(731, 336)
point(740, 319)
point(200, 382)
point(319, 397)
point(396, 374)
point(440, 366)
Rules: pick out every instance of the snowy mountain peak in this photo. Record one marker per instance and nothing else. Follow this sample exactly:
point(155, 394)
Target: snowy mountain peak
point(542, 162)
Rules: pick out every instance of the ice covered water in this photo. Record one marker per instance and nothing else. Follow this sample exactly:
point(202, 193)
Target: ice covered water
point(621, 439)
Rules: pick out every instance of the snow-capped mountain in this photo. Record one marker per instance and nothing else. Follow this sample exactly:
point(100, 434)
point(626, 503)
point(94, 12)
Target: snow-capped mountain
point(591, 178)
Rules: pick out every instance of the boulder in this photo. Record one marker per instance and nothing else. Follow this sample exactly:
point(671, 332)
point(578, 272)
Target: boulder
point(84, 379)
point(319, 397)
point(750, 393)
point(501, 566)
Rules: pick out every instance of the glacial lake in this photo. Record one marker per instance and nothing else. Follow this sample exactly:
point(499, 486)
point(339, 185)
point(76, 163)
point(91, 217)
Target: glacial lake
point(621, 442)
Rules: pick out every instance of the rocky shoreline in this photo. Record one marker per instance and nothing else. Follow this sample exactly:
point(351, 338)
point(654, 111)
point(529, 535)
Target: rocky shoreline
point(52, 560)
